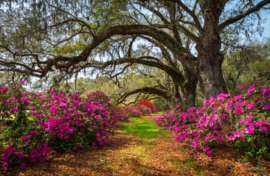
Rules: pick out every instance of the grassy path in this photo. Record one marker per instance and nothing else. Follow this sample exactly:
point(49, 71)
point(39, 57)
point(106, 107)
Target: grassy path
point(140, 148)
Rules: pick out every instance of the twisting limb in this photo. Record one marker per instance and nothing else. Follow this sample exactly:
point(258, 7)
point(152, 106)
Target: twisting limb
point(148, 90)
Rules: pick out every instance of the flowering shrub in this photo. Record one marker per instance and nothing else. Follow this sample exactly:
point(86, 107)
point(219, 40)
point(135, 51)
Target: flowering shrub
point(56, 121)
point(119, 114)
point(132, 111)
point(144, 110)
point(155, 109)
point(183, 105)
point(166, 119)
point(148, 104)
point(242, 121)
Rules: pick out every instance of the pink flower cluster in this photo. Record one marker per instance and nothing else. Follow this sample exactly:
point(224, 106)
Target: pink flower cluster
point(60, 118)
point(8, 152)
point(41, 152)
point(241, 114)
point(119, 114)
point(132, 111)
point(144, 110)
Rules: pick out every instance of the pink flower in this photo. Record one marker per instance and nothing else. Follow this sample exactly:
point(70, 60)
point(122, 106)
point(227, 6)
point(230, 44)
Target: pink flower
point(265, 91)
point(247, 163)
point(260, 100)
point(66, 137)
point(206, 149)
point(236, 134)
point(5, 164)
point(20, 155)
point(240, 121)
point(188, 152)
point(252, 88)
point(177, 106)
point(23, 166)
point(264, 129)
point(250, 105)
point(266, 107)
point(231, 138)
point(209, 152)
point(26, 138)
point(42, 160)
point(4, 88)
point(23, 98)
point(239, 163)
point(33, 132)
point(241, 87)
point(22, 81)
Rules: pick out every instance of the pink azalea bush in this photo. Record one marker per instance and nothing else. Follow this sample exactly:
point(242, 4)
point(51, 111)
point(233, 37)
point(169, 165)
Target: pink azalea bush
point(132, 111)
point(242, 121)
point(119, 114)
point(144, 110)
point(56, 122)
point(166, 119)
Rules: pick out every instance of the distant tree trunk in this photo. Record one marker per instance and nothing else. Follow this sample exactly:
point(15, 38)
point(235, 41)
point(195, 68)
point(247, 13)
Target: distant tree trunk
point(190, 86)
point(176, 89)
point(75, 81)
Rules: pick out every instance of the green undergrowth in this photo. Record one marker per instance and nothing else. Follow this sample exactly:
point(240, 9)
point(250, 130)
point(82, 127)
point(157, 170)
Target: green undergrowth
point(145, 128)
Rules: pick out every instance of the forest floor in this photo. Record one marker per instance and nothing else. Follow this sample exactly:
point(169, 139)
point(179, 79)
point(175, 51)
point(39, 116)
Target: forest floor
point(141, 148)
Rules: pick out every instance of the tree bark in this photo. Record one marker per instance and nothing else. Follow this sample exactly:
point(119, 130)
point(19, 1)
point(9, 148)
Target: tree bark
point(190, 86)
point(167, 95)
point(209, 50)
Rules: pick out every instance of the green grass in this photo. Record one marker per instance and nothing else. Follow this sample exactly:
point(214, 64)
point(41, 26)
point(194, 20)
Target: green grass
point(145, 128)
point(159, 112)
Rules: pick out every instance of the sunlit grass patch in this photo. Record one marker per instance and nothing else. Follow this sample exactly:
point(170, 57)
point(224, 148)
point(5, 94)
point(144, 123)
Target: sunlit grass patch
point(145, 128)
point(159, 112)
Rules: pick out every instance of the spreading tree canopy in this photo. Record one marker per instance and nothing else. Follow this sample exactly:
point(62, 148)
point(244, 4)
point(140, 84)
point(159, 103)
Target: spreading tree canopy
point(68, 36)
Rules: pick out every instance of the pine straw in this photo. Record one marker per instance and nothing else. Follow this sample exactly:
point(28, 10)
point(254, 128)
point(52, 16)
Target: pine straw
point(133, 155)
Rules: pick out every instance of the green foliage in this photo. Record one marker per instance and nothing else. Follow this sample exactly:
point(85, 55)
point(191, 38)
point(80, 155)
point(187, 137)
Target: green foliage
point(246, 65)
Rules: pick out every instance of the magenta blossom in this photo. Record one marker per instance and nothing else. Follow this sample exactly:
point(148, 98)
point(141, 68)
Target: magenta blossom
point(266, 107)
point(5, 164)
point(236, 134)
point(23, 166)
point(264, 129)
point(231, 138)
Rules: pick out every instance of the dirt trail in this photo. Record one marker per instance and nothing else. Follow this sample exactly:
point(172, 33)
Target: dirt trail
point(133, 155)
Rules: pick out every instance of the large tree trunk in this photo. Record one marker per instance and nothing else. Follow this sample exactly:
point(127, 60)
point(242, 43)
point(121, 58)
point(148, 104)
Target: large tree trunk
point(211, 75)
point(209, 51)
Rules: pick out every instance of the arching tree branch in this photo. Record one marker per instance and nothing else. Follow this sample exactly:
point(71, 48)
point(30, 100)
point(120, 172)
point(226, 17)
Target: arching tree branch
point(244, 14)
point(148, 90)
